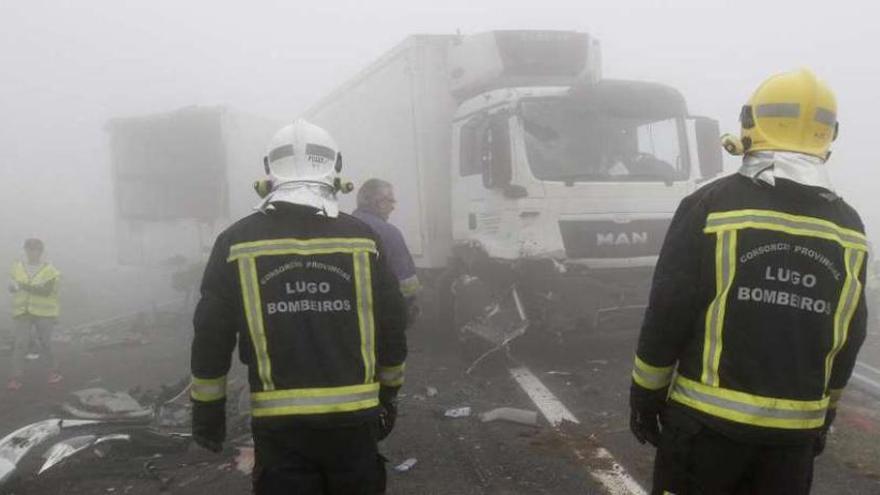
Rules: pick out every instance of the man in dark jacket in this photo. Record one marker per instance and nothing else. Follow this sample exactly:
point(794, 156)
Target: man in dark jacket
point(757, 311)
point(319, 319)
point(375, 202)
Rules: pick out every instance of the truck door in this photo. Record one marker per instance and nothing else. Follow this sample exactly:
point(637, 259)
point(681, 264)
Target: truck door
point(476, 183)
point(468, 193)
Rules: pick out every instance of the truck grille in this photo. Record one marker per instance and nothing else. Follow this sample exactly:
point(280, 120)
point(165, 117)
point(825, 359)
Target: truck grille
point(608, 239)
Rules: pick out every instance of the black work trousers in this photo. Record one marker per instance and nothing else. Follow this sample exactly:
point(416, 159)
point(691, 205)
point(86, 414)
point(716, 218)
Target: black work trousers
point(694, 460)
point(317, 461)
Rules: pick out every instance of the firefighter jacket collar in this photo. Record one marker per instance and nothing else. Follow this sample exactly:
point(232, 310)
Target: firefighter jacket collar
point(318, 196)
point(767, 166)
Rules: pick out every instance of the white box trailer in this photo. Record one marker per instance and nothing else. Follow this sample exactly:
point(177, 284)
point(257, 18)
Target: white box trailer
point(180, 177)
point(392, 121)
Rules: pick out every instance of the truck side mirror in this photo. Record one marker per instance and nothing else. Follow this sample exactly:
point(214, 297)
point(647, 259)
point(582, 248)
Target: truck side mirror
point(497, 169)
point(708, 136)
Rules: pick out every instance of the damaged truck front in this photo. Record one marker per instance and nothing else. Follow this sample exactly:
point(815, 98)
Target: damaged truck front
point(539, 190)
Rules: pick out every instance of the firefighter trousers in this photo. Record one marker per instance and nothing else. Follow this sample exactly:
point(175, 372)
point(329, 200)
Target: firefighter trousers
point(694, 460)
point(317, 461)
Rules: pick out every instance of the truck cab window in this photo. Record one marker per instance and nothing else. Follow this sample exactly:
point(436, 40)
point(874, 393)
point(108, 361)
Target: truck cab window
point(567, 143)
point(496, 167)
point(473, 134)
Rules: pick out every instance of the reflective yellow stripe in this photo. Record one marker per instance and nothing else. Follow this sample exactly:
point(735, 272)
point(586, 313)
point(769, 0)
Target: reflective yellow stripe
point(784, 222)
point(366, 323)
point(846, 306)
point(208, 389)
point(651, 377)
point(749, 409)
point(301, 246)
point(409, 287)
point(315, 400)
point(834, 396)
point(725, 272)
point(247, 270)
point(391, 376)
point(360, 249)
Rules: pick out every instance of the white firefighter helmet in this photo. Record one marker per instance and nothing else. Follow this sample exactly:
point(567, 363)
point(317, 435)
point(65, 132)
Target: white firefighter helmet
point(302, 152)
point(303, 165)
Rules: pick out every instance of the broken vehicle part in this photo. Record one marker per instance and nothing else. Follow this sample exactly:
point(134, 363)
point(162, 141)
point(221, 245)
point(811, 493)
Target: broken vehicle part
point(512, 415)
point(458, 412)
point(15, 446)
point(101, 404)
point(62, 451)
point(406, 465)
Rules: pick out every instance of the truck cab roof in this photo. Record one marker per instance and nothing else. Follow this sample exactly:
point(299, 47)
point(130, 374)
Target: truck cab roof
point(614, 96)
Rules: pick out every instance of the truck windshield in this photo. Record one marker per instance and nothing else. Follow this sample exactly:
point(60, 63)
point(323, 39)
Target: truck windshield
point(567, 143)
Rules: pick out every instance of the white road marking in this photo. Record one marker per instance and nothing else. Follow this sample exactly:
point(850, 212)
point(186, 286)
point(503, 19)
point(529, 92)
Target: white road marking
point(868, 367)
point(552, 409)
point(616, 476)
point(615, 479)
point(873, 385)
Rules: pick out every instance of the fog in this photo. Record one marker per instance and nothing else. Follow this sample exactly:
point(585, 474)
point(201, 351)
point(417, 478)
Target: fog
point(68, 67)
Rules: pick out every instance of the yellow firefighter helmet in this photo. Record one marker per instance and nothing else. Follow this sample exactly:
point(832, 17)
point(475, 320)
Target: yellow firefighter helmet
point(793, 111)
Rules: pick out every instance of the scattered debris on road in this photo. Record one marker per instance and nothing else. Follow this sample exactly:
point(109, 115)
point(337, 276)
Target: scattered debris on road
point(512, 415)
point(406, 465)
point(458, 412)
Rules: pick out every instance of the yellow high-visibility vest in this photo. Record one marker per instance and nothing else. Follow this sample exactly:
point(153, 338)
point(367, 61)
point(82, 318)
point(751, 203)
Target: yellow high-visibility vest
point(25, 302)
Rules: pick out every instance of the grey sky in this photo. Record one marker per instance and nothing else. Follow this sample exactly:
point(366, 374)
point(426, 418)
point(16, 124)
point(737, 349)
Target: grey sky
point(69, 66)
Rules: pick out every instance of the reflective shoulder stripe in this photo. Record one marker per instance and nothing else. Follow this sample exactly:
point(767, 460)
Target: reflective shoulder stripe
point(749, 409)
point(366, 319)
point(315, 400)
point(391, 376)
point(411, 286)
point(651, 377)
point(250, 288)
point(846, 306)
point(725, 272)
point(784, 222)
point(834, 396)
point(208, 389)
point(301, 246)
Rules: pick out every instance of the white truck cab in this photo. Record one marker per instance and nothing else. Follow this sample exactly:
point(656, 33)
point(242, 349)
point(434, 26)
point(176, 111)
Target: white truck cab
point(520, 172)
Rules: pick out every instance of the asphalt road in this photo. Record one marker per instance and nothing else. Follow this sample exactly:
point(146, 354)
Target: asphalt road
point(583, 379)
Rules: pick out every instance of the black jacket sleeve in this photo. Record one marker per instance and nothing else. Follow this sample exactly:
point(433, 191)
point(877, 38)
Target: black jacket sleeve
point(390, 316)
point(674, 303)
point(213, 343)
point(846, 358)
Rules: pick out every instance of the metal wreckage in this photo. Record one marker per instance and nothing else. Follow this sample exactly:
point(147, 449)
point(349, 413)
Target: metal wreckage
point(94, 425)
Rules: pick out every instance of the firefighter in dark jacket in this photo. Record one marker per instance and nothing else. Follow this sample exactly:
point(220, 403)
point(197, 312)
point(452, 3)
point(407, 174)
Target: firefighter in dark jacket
point(319, 320)
point(757, 312)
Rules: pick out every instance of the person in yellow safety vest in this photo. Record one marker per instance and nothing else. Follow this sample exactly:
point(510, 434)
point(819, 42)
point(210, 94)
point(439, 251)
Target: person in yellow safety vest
point(34, 287)
point(757, 310)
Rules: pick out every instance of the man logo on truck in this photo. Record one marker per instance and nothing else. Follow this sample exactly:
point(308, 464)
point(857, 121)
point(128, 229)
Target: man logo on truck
point(621, 239)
